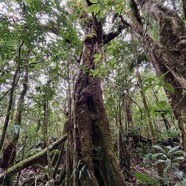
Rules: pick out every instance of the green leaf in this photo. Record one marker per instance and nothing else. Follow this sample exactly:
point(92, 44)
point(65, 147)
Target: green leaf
point(97, 55)
point(50, 183)
point(117, 6)
point(179, 158)
point(120, 1)
point(93, 1)
point(160, 161)
point(156, 155)
point(169, 87)
point(152, 111)
point(14, 129)
point(169, 147)
point(94, 72)
point(118, 10)
point(158, 148)
point(149, 80)
point(177, 153)
point(94, 8)
point(173, 149)
point(163, 105)
point(146, 87)
point(28, 2)
point(162, 76)
point(146, 179)
point(97, 58)
point(168, 162)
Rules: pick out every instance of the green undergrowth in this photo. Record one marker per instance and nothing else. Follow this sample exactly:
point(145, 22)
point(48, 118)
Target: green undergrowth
point(145, 179)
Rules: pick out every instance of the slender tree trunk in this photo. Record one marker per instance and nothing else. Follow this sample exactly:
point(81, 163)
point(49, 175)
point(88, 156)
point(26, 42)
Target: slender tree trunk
point(165, 120)
point(94, 162)
point(45, 134)
point(151, 127)
point(9, 109)
point(127, 110)
point(10, 102)
point(169, 58)
point(184, 8)
point(69, 130)
point(9, 151)
point(124, 157)
point(140, 82)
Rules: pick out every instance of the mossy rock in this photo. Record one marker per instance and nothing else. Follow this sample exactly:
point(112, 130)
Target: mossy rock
point(145, 179)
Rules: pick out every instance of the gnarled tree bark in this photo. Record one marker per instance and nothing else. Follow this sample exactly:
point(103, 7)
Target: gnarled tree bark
point(168, 56)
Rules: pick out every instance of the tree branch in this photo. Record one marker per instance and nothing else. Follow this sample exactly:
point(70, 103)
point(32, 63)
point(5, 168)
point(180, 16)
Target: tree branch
point(112, 35)
point(135, 11)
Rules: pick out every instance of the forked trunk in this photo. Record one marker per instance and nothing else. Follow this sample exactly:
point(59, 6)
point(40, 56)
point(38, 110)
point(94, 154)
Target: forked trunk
point(94, 162)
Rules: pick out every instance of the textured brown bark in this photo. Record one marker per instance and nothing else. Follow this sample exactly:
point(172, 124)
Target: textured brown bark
point(94, 162)
point(172, 32)
point(169, 56)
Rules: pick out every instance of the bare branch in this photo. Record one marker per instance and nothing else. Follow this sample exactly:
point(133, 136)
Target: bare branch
point(112, 35)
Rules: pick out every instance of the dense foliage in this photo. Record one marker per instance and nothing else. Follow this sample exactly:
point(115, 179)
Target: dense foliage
point(44, 48)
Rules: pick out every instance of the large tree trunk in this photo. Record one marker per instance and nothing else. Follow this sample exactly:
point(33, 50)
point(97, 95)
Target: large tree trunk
point(94, 162)
point(169, 57)
point(172, 32)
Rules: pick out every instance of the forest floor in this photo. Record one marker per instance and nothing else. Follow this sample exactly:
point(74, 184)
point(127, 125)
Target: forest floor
point(32, 176)
point(143, 174)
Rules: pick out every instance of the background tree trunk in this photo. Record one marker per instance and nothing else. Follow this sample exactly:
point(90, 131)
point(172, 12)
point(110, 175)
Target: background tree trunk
point(143, 96)
point(124, 157)
point(10, 102)
point(9, 151)
point(9, 109)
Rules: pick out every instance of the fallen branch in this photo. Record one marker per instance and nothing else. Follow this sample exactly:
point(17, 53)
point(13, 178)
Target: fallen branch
point(27, 162)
